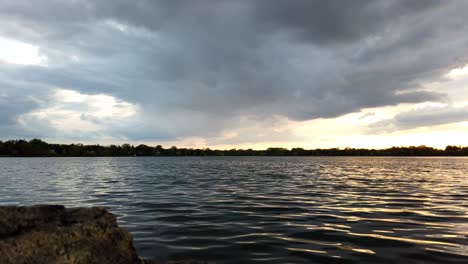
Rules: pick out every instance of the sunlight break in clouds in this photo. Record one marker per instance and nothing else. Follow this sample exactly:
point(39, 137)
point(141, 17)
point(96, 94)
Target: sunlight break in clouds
point(254, 74)
point(98, 106)
point(17, 52)
point(458, 73)
point(70, 112)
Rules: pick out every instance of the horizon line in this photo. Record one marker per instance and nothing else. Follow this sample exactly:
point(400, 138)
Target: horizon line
point(228, 149)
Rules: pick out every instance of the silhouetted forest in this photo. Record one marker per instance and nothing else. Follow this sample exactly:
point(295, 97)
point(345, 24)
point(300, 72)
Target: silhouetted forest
point(39, 148)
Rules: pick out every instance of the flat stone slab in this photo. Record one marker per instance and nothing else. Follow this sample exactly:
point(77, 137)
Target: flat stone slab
point(54, 234)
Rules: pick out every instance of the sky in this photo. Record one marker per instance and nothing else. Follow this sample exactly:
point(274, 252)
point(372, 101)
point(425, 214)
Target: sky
point(235, 74)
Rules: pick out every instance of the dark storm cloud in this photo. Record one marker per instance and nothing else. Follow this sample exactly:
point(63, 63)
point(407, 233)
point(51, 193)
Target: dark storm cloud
point(335, 21)
point(197, 67)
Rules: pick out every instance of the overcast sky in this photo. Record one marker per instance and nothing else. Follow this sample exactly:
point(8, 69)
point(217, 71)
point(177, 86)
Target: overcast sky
point(235, 73)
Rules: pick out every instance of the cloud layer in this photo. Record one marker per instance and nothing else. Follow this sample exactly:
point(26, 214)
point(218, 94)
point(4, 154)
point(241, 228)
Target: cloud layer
point(204, 68)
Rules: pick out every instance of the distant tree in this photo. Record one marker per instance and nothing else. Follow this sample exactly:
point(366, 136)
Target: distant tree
point(453, 151)
point(159, 150)
point(144, 150)
point(38, 148)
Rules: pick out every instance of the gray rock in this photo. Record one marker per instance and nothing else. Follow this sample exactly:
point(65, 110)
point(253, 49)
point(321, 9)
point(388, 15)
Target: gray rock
point(54, 234)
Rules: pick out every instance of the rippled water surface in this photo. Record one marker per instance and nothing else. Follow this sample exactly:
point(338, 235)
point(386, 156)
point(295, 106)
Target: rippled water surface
point(265, 209)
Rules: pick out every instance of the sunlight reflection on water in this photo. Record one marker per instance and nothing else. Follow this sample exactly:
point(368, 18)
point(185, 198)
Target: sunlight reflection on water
point(264, 209)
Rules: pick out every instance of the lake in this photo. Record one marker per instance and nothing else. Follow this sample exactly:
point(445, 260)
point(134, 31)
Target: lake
point(264, 209)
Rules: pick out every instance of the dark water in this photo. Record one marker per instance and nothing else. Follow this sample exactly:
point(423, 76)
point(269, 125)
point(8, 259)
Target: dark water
point(265, 210)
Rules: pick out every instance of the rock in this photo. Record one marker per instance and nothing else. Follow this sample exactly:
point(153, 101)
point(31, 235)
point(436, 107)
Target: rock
point(54, 234)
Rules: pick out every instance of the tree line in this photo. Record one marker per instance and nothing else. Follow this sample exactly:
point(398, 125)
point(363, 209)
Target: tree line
point(39, 148)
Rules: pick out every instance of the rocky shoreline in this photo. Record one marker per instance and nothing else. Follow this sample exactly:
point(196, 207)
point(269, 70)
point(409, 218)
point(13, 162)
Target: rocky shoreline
point(55, 234)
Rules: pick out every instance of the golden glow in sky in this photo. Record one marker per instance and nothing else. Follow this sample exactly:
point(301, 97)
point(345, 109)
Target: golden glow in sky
point(243, 74)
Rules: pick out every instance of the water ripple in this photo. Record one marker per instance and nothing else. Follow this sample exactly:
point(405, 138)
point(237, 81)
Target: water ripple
point(265, 209)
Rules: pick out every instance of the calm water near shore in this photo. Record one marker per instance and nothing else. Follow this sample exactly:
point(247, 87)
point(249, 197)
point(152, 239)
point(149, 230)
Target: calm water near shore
point(264, 209)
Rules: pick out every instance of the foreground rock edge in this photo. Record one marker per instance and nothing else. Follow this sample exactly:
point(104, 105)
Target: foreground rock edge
point(55, 234)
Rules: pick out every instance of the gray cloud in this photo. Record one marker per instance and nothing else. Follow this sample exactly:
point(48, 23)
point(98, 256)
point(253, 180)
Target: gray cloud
point(197, 67)
point(335, 21)
point(425, 117)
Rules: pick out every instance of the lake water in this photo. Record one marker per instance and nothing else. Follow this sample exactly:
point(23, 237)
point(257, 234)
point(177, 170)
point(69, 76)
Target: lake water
point(264, 209)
